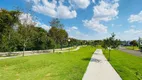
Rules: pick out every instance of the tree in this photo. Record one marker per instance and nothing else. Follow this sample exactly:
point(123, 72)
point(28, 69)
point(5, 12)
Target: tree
point(133, 43)
point(51, 44)
point(104, 44)
point(56, 23)
point(110, 42)
point(25, 31)
point(62, 36)
point(57, 32)
point(19, 33)
point(40, 39)
point(8, 21)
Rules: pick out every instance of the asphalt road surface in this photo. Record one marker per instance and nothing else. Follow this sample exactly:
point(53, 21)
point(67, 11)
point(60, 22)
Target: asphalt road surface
point(133, 52)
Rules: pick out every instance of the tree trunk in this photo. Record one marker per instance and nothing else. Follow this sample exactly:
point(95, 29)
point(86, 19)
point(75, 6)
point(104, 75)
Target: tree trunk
point(53, 50)
point(23, 49)
point(61, 46)
point(109, 56)
point(9, 36)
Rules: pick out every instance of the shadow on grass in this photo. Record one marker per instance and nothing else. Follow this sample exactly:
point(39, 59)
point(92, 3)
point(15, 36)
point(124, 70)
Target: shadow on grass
point(92, 60)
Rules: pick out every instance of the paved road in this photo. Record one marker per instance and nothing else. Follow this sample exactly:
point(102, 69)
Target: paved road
point(100, 69)
point(133, 52)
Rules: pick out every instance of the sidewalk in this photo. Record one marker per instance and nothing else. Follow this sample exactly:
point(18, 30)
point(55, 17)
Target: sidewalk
point(57, 50)
point(100, 69)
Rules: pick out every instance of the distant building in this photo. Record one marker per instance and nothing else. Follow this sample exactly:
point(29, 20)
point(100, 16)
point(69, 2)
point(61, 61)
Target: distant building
point(125, 43)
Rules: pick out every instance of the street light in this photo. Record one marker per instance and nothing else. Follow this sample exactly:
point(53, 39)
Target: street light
point(68, 44)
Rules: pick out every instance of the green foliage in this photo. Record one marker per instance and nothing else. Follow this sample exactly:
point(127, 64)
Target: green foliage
point(57, 32)
point(111, 42)
point(17, 36)
point(7, 33)
point(104, 44)
point(56, 23)
point(134, 43)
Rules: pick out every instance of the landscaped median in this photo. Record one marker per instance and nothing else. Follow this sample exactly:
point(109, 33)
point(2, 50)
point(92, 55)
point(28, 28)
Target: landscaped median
point(58, 66)
point(128, 66)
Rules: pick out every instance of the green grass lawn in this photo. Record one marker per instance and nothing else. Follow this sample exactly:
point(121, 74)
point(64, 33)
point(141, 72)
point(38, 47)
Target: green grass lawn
point(58, 66)
point(128, 66)
point(131, 47)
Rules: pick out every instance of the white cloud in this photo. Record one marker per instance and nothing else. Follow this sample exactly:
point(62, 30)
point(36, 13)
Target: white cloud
point(133, 31)
point(42, 25)
point(136, 17)
point(95, 25)
point(80, 3)
point(26, 18)
point(75, 33)
point(53, 8)
point(64, 12)
point(57, 9)
point(131, 34)
point(103, 12)
point(74, 28)
point(106, 11)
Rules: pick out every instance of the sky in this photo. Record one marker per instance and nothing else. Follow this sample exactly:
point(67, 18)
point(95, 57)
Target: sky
point(85, 19)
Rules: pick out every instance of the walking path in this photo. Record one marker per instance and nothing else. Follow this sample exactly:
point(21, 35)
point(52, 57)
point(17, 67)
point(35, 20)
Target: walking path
point(64, 50)
point(133, 52)
point(100, 69)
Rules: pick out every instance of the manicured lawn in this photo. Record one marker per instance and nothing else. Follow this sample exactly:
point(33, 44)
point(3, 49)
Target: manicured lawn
point(58, 66)
point(131, 47)
point(128, 66)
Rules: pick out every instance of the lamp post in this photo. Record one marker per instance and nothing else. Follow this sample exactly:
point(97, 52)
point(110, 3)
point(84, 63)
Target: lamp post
point(68, 44)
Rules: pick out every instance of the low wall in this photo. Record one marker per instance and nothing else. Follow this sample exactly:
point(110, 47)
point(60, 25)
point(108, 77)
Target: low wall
point(29, 52)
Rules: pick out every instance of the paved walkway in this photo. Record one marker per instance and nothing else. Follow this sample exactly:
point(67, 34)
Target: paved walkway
point(64, 50)
point(100, 69)
point(133, 52)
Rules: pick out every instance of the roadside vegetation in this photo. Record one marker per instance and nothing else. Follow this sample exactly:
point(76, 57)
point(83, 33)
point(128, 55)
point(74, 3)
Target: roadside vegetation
point(110, 44)
point(23, 34)
point(128, 66)
point(133, 47)
point(58, 66)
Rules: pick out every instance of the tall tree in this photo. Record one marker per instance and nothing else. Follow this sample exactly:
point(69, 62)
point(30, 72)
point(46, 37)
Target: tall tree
point(56, 23)
point(57, 32)
point(8, 19)
point(26, 33)
point(62, 36)
point(133, 43)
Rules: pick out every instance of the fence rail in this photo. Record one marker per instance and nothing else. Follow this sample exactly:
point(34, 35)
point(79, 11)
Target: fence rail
point(29, 52)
